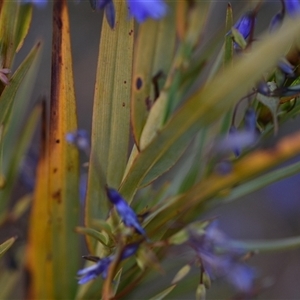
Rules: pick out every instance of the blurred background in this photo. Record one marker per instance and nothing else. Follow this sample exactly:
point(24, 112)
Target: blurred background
point(270, 213)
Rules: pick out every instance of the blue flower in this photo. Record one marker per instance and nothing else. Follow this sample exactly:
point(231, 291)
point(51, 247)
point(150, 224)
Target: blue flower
point(92, 272)
point(219, 259)
point(143, 9)
point(40, 3)
point(245, 23)
point(292, 7)
point(102, 265)
point(99, 4)
point(80, 139)
point(125, 212)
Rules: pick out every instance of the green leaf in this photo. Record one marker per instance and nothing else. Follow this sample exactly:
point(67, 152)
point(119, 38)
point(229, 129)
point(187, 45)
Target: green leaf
point(238, 38)
point(93, 233)
point(15, 160)
point(265, 246)
point(205, 106)
point(111, 114)
point(8, 95)
point(154, 51)
point(163, 294)
point(20, 207)
point(201, 292)
point(6, 245)
point(116, 281)
point(181, 274)
point(14, 25)
point(228, 53)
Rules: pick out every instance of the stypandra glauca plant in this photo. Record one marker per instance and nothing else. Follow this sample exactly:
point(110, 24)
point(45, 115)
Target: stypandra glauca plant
point(180, 116)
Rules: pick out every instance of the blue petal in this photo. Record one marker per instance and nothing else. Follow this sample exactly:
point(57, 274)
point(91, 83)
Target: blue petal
point(125, 212)
point(94, 271)
point(241, 277)
point(276, 21)
point(292, 7)
point(244, 24)
point(143, 9)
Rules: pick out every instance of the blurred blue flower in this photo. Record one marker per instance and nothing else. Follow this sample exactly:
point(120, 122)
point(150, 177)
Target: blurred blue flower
point(276, 21)
point(80, 139)
point(237, 140)
point(250, 120)
point(263, 88)
point(129, 250)
point(110, 14)
point(99, 4)
point(125, 212)
point(40, 3)
point(286, 67)
point(220, 259)
point(292, 7)
point(92, 272)
point(143, 9)
point(102, 265)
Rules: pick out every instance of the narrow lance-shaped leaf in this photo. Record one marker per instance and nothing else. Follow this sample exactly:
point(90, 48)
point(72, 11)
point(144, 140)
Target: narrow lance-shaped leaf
point(54, 246)
point(6, 245)
point(8, 96)
point(14, 25)
point(14, 164)
point(111, 113)
point(154, 53)
point(205, 106)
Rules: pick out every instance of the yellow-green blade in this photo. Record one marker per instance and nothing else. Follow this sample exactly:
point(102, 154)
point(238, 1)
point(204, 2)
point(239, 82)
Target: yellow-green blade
point(53, 242)
point(111, 113)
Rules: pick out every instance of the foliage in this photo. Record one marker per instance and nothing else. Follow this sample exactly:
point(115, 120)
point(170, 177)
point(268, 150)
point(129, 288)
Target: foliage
point(198, 105)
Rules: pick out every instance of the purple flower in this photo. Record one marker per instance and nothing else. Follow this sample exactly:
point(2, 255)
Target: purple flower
point(143, 9)
point(125, 212)
point(292, 7)
point(219, 259)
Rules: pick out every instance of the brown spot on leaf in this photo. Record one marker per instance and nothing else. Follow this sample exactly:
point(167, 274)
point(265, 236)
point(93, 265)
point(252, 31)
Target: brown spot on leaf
point(148, 103)
point(57, 196)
